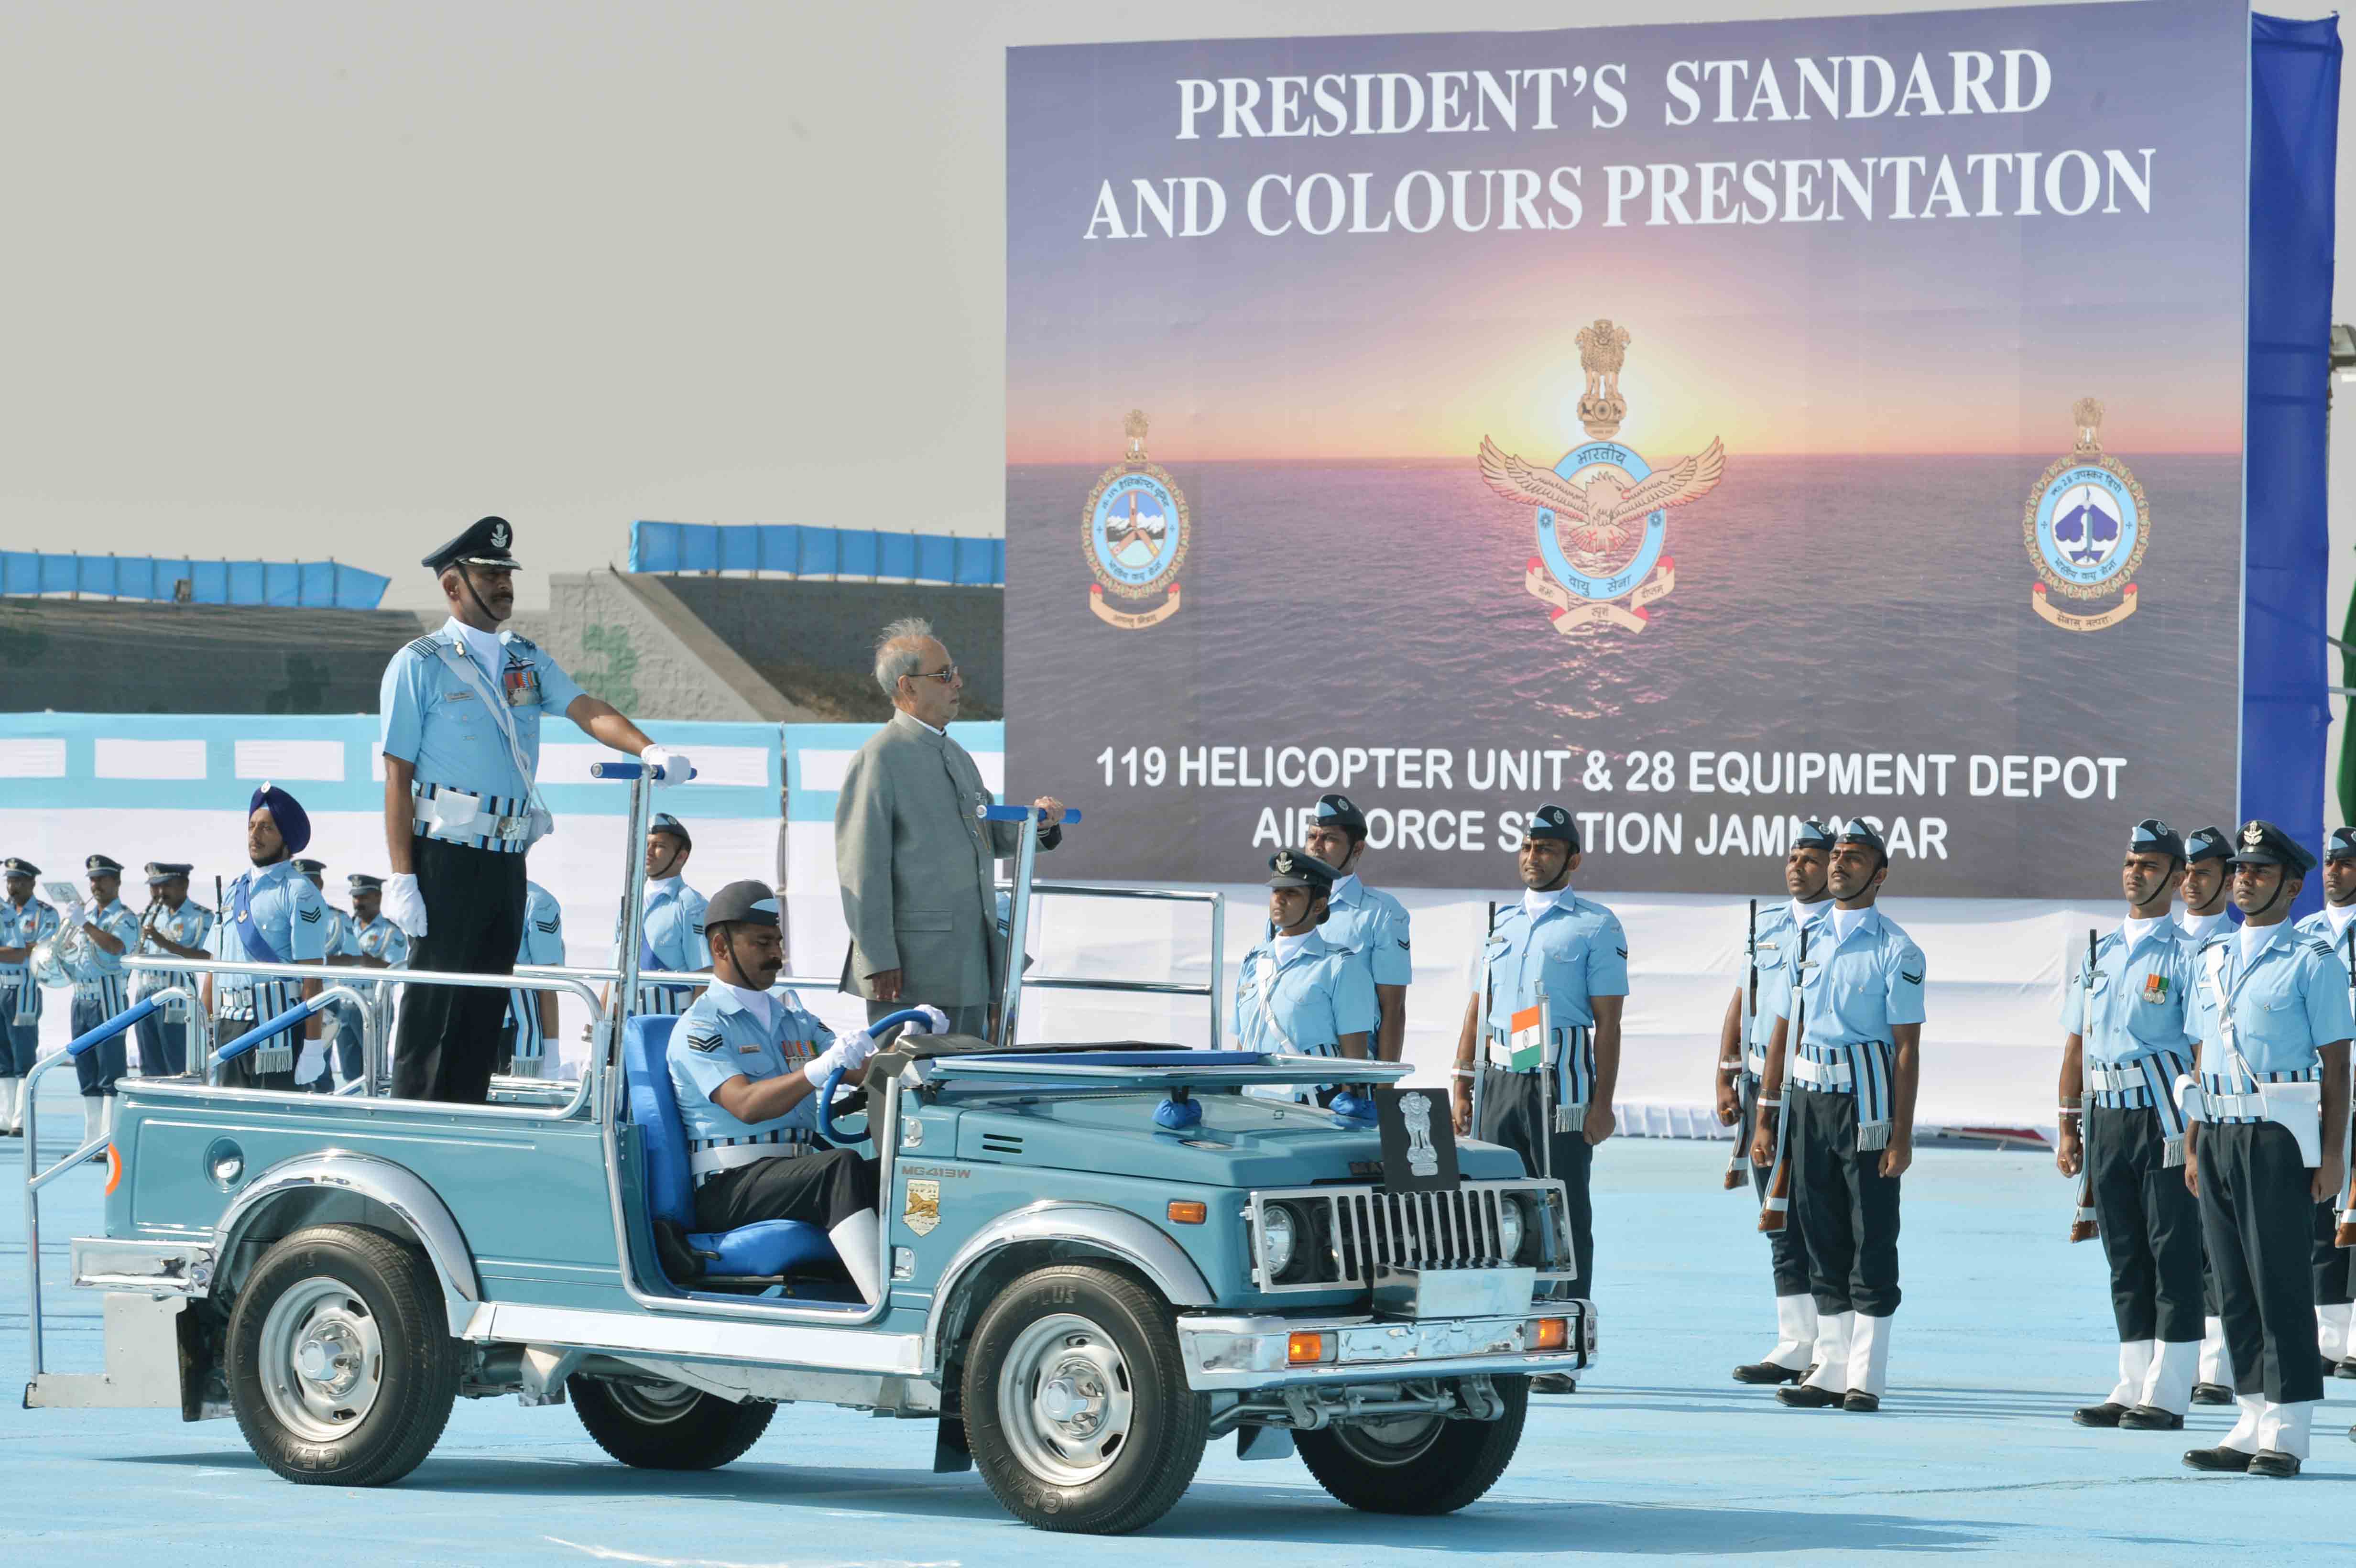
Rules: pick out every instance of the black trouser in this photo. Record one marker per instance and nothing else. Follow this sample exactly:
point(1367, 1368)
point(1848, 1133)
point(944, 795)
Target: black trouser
point(98, 1068)
point(1846, 1209)
point(350, 1055)
point(2150, 1226)
point(163, 1046)
point(244, 1071)
point(2256, 1215)
point(1787, 1255)
point(822, 1188)
point(1511, 1115)
point(449, 1035)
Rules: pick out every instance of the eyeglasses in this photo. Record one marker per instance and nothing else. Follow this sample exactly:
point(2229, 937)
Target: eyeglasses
point(943, 676)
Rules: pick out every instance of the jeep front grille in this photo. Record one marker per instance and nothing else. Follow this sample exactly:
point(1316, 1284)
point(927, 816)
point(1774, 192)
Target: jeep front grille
point(1343, 1235)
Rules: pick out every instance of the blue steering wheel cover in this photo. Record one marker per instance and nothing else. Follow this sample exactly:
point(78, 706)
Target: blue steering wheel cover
point(825, 1095)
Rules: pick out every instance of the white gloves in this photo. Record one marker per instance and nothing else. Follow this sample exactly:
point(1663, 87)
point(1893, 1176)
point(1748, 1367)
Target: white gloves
point(403, 905)
point(674, 764)
point(936, 1020)
point(312, 1062)
point(850, 1053)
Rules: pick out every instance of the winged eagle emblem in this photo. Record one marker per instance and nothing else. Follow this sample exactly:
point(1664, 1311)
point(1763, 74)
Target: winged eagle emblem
point(1603, 517)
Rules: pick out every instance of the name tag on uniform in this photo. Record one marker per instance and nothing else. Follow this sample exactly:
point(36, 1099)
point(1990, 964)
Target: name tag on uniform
point(522, 686)
point(748, 1051)
point(458, 696)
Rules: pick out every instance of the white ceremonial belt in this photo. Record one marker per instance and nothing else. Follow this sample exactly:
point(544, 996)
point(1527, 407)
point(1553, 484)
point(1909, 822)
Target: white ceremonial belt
point(1754, 1060)
point(454, 811)
point(2113, 1079)
point(1832, 1077)
point(707, 1163)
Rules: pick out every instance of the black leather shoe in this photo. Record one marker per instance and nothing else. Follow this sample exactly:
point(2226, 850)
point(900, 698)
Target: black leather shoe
point(2346, 1368)
point(2211, 1393)
point(1808, 1396)
point(2151, 1418)
point(2218, 1459)
point(1859, 1403)
point(1768, 1373)
point(2274, 1462)
point(2106, 1413)
point(1554, 1383)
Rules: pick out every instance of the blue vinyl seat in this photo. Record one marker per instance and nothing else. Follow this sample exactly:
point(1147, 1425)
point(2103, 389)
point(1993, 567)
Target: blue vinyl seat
point(766, 1249)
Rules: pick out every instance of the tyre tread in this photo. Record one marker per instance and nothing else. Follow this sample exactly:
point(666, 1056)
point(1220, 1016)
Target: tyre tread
point(1468, 1460)
point(714, 1433)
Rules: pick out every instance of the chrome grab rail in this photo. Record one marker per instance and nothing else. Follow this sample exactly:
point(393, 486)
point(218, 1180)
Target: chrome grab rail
point(1017, 982)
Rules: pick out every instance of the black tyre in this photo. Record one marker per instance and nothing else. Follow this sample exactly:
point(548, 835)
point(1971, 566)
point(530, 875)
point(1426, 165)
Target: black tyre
point(1421, 1465)
point(665, 1425)
point(1077, 1407)
point(341, 1369)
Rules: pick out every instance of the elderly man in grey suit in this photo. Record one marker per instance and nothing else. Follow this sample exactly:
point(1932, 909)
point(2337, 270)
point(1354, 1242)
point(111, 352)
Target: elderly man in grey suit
point(915, 862)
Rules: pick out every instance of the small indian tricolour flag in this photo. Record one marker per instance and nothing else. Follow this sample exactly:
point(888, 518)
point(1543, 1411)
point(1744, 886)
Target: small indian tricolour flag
point(1528, 1042)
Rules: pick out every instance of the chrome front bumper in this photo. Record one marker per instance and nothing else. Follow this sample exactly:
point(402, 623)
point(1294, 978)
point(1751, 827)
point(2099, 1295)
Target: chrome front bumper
point(157, 1268)
point(1232, 1354)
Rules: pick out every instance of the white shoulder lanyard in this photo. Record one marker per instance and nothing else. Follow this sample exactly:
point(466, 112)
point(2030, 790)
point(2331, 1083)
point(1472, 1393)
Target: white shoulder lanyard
point(464, 666)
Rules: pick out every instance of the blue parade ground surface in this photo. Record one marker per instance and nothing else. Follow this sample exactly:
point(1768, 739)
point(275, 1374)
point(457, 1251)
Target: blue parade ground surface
point(1659, 1455)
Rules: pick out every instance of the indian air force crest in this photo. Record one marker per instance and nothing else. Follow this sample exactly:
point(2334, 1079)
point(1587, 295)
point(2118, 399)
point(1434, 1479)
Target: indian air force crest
point(2086, 527)
point(1602, 511)
point(1137, 526)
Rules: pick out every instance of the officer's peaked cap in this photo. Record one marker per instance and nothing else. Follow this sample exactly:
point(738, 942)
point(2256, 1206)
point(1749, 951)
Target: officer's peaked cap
point(312, 867)
point(2153, 836)
point(1342, 812)
point(102, 866)
point(2339, 844)
point(2207, 844)
point(167, 871)
point(1299, 869)
point(742, 903)
point(361, 883)
point(1857, 830)
point(2264, 844)
point(1551, 821)
point(488, 543)
point(1813, 835)
point(17, 868)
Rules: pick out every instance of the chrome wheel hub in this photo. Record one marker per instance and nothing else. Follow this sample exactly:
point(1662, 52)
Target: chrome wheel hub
point(1064, 1393)
point(322, 1360)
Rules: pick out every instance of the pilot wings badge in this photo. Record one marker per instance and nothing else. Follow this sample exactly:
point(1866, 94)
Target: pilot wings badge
point(1136, 525)
point(2086, 527)
point(1602, 511)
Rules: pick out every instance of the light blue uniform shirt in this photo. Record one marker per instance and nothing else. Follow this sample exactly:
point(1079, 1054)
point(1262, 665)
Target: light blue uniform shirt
point(99, 975)
point(188, 925)
point(1372, 924)
point(542, 944)
point(2139, 1035)
point(673, 935)
point(1576, 951)
point(1858, 990)
point(720, 1038)
point(1305, 1002)
point(435, 719)
point(1778, 941)
point(2318, 925)
point(36, 923)
point(2283, 1005)
point(292, 918)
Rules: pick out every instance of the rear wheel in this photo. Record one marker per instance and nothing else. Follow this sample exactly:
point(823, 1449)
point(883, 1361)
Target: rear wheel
point(1418, 1464)
point(1076, 1401)
point(341, 1369)
point(665, 1425)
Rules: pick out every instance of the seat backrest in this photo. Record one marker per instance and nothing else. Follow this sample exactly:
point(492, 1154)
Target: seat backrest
point(646, 1064)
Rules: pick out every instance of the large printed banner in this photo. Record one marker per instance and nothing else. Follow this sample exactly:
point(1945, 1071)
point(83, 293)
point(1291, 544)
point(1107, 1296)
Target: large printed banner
point(1703, 427)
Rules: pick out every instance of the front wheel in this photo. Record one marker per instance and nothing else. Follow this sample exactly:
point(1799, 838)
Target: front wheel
point(1418, 1464)
point(666, 1425)
point(1076, 1408)
point(341, 1369)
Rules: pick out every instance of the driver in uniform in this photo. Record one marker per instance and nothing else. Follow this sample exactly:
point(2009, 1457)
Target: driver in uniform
point(1297, 993)
point(745, 1069)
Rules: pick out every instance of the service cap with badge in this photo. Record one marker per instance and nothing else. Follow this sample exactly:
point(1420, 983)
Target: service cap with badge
point(1341, 811)
point(1857, 830)
point(363, 882)
point(2339, 844)
point(487, 543)
point(664, 822)
point(162, 871)
point(2206, 844)
point(1813, 835)
point(741, 903)
point(2264, 844)
point(101, 866)
point(1551, 821)
point(312, 867)
point(17, 868)
point(2153, 836)
point(1303, 869)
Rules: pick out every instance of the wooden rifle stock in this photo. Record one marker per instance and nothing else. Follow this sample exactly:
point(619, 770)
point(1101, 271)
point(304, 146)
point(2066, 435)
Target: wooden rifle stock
point(2082, 1223)
point(1778, 1205)
point(1738, 1165)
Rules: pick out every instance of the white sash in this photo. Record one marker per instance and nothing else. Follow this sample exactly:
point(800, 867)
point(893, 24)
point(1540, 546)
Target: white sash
point(462, 665)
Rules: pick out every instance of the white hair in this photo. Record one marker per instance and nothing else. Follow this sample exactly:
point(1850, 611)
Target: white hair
point(896, 653)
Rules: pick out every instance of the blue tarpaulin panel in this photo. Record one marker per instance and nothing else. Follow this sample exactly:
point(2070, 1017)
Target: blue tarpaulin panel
point(2286, 709)
point(308, 585)
point(809, 551)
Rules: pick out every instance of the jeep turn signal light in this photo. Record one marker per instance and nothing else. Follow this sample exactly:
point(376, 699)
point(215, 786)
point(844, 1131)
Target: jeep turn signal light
point(1183, 1213)
point(1303, 1348)
point(1550, 1333)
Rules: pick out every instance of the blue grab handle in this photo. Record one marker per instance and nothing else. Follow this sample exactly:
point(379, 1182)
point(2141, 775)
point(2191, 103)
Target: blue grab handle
point(1020, 814)
point(629, 771)
point(262, 1031)
point(825, 1094)
point(110, 1028)
point(1352, 1106)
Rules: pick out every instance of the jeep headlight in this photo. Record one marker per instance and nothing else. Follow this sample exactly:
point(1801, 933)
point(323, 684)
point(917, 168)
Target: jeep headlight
point(1279, 1233)
point(1512, 1225)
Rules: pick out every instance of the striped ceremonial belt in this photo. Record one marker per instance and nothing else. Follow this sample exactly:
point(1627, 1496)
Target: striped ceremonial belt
point(1863, 1069)
point(2236, 1107)
point(108, 991)
point(505, 819)
point(708, 1158)
point(2147, 1079)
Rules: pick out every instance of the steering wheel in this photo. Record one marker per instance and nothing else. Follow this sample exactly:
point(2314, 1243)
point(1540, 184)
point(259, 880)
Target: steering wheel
point(857, 1100)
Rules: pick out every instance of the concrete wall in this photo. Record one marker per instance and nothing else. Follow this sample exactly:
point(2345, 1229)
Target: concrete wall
point(97, 656)
point(629, 642)
point(815, 641)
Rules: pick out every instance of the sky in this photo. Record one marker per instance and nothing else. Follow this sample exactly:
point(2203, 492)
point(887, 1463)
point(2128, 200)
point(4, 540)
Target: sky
point(1921, 335)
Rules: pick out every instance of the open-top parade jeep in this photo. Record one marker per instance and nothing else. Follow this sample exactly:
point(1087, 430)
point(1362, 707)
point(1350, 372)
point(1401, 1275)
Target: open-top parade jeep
point(1100, 1257)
